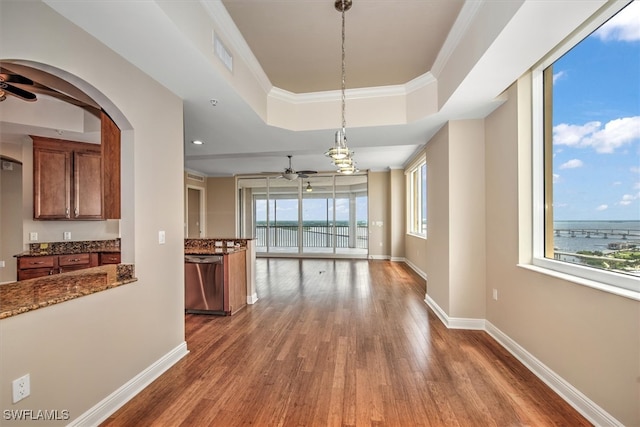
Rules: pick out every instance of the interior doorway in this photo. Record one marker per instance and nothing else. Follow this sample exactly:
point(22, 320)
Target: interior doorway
point(195, 213)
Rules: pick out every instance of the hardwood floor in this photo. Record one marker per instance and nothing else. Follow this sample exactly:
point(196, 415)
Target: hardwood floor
point(342, 343)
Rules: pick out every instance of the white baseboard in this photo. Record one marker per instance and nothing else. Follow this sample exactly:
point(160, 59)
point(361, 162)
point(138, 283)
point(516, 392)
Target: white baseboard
point(252, 299)
point(454, 322)
point(416, 269)
point(581, 403)
point(118, 398)
point(380, 257)
point(564, 389)
point(398, 259)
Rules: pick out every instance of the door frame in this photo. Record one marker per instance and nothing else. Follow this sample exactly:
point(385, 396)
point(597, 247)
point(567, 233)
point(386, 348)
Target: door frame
point(201, 215)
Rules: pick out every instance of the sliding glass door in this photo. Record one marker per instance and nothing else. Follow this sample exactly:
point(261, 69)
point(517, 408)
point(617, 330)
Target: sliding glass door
point(322, 215)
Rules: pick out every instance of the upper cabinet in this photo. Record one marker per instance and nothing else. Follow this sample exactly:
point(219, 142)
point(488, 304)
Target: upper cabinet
point(110, 146)
point(77, 180)
point(67, 182)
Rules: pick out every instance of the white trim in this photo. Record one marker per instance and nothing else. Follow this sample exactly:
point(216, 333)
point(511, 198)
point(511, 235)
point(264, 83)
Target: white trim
point(574, 397)
point(416, 269)
point(460, 26)
point(592, 412)
point(398, 259)
point(604, 287)
point(454, 322)
point(103, 409)
point(252, 299)
point(202, 217)
point(380, 257)
point(607, 281)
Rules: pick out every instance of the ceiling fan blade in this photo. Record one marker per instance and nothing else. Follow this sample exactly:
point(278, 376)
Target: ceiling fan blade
point(14, 78)
point(17, 92)
point(307, 172)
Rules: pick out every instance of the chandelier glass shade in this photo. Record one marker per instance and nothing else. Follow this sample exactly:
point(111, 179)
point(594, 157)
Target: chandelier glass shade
point(340, 152)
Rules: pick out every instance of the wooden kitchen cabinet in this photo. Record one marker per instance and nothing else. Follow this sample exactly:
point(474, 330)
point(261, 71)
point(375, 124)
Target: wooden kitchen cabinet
point(235, 281)
point(31, 267)
point(109, 258)
point(67, 180)
point(37, 266)
point(74, 262)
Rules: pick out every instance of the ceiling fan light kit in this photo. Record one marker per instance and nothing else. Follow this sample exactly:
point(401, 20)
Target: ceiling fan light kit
point(291, 175)
point(340, 153)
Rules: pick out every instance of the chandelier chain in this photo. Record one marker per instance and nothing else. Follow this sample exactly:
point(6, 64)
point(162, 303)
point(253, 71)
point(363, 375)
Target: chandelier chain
point(344, 121)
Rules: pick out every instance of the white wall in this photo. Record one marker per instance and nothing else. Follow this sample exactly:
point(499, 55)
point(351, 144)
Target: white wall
point(81, 351)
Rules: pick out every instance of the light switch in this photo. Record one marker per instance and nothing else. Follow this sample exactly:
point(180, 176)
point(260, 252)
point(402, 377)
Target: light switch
point(161, 237)
point(33, 236)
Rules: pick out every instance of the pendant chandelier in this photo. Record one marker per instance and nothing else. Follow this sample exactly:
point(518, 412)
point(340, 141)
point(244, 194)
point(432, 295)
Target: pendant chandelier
point(341, 155)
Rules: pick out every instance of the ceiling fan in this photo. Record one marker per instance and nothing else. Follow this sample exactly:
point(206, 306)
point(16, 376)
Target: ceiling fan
point(291, 174)
point(24, 83)
point(10, 84)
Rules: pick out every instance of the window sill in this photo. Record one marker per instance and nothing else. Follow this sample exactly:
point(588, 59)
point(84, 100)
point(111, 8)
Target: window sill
point(626, 293)
point(420, 236)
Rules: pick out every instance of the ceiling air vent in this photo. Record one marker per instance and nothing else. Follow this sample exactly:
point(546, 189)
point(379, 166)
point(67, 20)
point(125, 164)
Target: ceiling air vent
point(195, 177)
point(222, 52)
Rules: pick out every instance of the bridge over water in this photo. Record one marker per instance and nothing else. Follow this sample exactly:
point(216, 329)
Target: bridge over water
point(603, 233)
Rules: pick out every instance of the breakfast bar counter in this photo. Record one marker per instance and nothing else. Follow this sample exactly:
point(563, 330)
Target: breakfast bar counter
point(27, 295)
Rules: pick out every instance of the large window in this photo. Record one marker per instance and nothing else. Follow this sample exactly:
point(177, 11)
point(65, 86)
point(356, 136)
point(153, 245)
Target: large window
point(588, 154)
point(322, 214)
point(417, 199)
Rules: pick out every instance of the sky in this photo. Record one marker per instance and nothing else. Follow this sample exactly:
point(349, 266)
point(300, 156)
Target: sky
point(313, 209)
point(596, 124)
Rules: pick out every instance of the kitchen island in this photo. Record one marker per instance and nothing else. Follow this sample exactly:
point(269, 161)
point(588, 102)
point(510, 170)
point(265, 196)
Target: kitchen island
point(238, 268)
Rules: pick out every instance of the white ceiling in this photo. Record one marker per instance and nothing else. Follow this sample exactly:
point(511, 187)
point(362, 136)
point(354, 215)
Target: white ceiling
point(290, 50)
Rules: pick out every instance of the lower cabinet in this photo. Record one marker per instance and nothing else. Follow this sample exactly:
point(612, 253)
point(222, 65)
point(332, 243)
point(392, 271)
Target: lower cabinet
point(235, 281)
point(74, 262)
point(31, 267)
point(109, 258)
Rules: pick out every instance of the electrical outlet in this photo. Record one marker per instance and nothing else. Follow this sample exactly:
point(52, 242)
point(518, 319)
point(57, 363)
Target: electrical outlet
point(1, 264)
point(161, 237)
point(495, 294)
point(33, 236)
point(21, 388)
point(66, 235)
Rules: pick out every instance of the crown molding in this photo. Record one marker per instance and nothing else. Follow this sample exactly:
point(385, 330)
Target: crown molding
point(231, 34)
point(463, 21)
point(360, 93)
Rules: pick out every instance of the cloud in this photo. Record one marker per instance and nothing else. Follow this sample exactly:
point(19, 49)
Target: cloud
point(614, 134)
point(559, 75)
point(602, 208)
point(635, 169)
point(636, 186)
point(617, 183)
point(627, 199)
point(572, 164)
point(623, 26)
point(556, 178)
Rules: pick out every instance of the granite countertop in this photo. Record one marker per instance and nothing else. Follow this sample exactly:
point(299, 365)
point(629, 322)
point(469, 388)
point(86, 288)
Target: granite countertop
point(213, 246)
point(47, 253)
point(27, 295)
point(213, 251)
point(71, 247)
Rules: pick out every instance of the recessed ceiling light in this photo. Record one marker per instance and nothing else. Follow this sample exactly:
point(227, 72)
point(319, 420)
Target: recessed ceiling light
point(197, 142)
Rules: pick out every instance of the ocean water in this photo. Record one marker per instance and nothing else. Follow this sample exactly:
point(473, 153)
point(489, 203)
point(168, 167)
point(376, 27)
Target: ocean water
point(596, 242)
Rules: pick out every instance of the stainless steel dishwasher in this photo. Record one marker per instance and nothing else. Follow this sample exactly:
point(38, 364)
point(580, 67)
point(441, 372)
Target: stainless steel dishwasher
point(204, 284)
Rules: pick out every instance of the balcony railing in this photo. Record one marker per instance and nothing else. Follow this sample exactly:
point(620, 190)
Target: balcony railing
point(287, 236)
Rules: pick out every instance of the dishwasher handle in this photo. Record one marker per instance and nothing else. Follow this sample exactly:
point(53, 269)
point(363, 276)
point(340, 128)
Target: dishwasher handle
point(203, 259)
